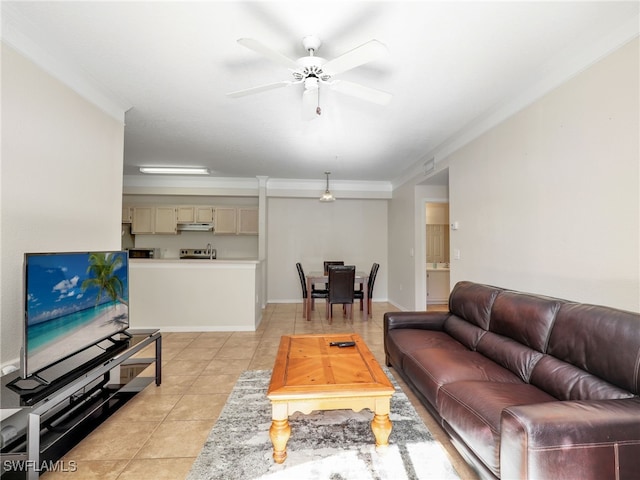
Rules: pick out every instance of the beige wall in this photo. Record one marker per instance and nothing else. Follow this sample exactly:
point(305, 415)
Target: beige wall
point(549, 200)
point(309, 232)
point(61, 184)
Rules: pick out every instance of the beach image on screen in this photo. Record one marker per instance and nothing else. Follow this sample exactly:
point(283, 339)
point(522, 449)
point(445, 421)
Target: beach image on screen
point(73, 300)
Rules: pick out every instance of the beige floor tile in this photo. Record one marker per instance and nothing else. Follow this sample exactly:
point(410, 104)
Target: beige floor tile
point(113, 441)
point(262, 364)
point(225, 365)
point(157, 469)
point(214, 383)
point(185, 367)
point(198, 407)
point(87, 470)
point(197, 353)
point(176, 439)
point(235, 352)
point(146, 408)
point(171, 385)
point(208, 342)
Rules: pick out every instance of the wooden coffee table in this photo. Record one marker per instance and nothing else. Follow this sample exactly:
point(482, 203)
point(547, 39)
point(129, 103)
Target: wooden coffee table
point(309, 375)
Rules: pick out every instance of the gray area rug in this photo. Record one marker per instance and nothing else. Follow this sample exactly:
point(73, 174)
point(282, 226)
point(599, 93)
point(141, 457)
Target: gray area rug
point(330, 445)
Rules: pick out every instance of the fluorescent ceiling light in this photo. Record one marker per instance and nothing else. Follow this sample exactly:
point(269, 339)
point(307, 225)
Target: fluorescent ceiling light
point(175, 170)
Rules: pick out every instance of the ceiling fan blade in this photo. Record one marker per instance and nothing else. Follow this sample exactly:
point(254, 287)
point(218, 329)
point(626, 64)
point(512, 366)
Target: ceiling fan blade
point(261, 88)
point(309, 104)
point(367, 52)
point(360, 91)
point(269, 53)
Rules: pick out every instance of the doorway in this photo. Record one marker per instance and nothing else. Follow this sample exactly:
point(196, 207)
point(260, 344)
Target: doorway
point(437, 268)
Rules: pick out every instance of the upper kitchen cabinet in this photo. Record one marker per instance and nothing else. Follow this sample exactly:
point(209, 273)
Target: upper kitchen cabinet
point(185, 214)
point(154, 220)
point(198, 214)
point(226, 222)
point(205, 214)
point(247, 221)
point(236, 220)
point(127, 214)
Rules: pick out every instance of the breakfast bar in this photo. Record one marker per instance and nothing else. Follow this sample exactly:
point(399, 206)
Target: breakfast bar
point(195, 295)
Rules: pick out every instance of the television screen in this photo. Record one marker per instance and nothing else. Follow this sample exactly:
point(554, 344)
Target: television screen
point(72, 301)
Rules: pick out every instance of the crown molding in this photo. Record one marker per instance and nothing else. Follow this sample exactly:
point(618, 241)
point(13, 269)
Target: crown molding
point(241, 186)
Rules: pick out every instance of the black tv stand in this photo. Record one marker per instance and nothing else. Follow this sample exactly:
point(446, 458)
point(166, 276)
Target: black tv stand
point(48, 419)
point(42, 384)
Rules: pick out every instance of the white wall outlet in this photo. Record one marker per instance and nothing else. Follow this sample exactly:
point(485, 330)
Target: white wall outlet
point(456, 254)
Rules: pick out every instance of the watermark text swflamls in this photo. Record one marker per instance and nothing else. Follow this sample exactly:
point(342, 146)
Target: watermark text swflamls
point(43, 466)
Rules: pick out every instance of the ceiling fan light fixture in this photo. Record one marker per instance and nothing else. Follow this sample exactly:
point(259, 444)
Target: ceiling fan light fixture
point(175, 170)
point(311, 83)
point(327, 196)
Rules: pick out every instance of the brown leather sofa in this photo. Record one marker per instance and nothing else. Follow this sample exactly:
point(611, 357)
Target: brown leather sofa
point(527, 387)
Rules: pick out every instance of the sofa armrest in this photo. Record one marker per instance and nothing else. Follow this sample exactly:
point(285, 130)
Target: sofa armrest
point(571, 439)
point(419, 320)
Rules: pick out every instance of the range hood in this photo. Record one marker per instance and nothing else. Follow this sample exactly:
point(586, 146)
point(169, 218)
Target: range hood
point(195, 227)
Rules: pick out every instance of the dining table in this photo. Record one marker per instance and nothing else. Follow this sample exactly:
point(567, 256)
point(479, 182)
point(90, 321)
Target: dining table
point(361, 278)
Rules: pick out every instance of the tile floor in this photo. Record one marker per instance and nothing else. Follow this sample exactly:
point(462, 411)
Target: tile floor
point(158, 434)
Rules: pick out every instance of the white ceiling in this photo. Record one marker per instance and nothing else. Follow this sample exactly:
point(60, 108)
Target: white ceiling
point(450, 66)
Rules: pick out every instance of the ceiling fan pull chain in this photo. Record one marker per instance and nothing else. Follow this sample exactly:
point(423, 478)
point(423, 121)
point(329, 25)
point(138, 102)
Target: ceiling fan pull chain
point(318, 109)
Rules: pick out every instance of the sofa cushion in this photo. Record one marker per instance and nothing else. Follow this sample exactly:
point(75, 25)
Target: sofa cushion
point(466, 333)
point(525, 318)
point(473, 301)
point(566, 382)
point(431, 368)
point(403, 341)
point(474, 408)
point(510, 354)
point(600, 340)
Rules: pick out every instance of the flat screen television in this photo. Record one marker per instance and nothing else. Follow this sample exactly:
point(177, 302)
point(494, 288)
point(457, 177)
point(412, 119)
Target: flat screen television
point(73, 301)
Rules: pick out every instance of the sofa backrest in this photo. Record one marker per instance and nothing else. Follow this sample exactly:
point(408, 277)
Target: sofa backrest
point(603, 343)
point(473, 302)
point(519, 328)
point(572, 351)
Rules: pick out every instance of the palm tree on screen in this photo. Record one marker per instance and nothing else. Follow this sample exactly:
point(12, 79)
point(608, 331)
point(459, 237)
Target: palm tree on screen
point(102, 268)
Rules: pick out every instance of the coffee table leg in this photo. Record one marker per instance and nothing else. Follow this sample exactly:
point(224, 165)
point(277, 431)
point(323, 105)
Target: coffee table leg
point(381, 425)
point(279, 432)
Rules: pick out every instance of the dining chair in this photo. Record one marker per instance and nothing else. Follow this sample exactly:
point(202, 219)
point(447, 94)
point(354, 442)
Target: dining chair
point(315, 293)
point(359, 294)
point(327, 264)
point(341, 281)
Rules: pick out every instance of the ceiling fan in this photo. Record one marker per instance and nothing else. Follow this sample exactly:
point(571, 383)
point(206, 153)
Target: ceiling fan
point(313, 71)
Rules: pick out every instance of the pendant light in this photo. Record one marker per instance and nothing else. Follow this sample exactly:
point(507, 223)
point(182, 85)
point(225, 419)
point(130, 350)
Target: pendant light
point(327, 196)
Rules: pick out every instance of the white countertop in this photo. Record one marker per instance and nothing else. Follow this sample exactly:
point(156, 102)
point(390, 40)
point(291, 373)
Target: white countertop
point(198, 261)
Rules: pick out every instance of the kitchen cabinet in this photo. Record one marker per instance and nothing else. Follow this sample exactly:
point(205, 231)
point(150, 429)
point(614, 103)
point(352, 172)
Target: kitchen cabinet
point(127, 215)
point(154, 220)
point(165, 220)
point(205, 214)
point(226, 221)
point(247, 220)
point(437, 286)
point(142, 220)
point(185, 214)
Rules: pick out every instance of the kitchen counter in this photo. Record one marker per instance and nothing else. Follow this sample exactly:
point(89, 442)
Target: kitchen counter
point(195, 295)
point(194, 260)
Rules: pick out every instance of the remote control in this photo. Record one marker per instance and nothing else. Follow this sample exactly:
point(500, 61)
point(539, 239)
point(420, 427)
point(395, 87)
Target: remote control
point(342, 344)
